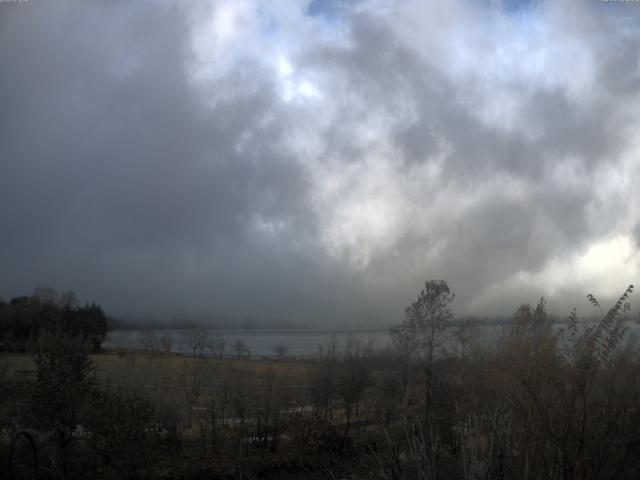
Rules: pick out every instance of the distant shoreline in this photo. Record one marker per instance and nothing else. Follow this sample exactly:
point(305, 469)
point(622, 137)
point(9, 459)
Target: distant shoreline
point(264, 329)
point(164, 328)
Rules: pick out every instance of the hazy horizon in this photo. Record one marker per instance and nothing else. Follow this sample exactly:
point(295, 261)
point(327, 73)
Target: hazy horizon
point(315, 162)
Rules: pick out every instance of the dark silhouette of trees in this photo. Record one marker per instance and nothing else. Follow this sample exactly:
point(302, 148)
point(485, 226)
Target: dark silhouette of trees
point(421, 334)
point(280, 350)
point(241, 347)
point(24, 318)
point(64, 386)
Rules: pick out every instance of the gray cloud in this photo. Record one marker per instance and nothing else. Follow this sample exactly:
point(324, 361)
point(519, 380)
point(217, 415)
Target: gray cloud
point(320, 166)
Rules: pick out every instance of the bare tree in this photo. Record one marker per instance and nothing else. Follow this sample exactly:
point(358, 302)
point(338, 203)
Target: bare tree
point(240, 347)
point(192, 385)
point(148, 340)
point(219, 400)
point(270, 406)
point(421, 333)
point(280, 350)
point(467, 336)
point(353, 378)
point(322, 380)
point(196, 339)
point(167, 343)
point(217, 344)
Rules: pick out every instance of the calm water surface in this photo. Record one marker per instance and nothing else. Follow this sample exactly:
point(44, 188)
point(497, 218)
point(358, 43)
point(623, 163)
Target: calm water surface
point(299, 343)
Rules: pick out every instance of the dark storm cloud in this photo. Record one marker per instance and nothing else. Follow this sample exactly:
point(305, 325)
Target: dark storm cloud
point(165, 179)
point(113, 169)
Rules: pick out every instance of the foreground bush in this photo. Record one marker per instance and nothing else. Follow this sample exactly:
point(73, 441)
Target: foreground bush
point(541, 402)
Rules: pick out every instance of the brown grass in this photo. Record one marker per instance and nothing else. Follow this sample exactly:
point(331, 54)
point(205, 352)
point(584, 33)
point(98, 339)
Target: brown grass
point(141, 370)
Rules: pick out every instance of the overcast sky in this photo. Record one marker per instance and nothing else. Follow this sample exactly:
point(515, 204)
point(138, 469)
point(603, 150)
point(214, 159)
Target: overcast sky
point(316, 162)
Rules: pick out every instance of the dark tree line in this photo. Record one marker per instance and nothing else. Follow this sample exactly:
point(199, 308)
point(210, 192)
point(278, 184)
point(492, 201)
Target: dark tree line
point(23, 319)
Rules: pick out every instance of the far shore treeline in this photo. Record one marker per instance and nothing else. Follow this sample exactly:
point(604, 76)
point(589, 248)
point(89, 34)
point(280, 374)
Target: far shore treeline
point(23, 319)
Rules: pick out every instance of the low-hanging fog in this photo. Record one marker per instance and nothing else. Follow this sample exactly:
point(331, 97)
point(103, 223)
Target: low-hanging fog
point(316, 162)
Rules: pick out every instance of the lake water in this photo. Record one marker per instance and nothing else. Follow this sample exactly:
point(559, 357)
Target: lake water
point(299, 343)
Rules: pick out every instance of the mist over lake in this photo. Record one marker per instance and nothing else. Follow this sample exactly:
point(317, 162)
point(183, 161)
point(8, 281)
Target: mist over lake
point(299, 343)
point(305, 343)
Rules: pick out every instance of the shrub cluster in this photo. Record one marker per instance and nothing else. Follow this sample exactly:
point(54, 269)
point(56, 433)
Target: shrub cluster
point(543, 400)
point(23, 319)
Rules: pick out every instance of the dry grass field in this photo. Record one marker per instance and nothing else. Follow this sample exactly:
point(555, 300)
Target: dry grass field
point(169, 374)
